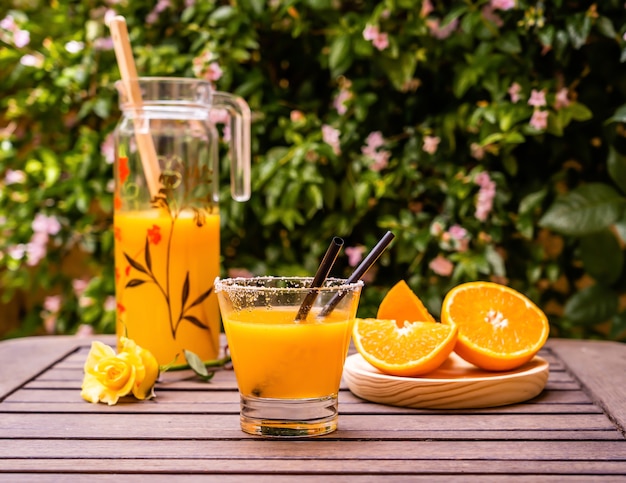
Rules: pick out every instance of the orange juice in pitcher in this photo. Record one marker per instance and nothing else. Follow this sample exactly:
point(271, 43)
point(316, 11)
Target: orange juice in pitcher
point(166, 219)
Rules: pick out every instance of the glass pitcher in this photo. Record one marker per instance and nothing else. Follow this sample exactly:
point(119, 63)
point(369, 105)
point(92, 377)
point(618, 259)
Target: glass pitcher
point(166, 212)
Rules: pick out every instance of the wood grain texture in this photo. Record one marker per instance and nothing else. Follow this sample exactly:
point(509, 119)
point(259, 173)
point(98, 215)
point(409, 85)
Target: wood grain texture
point(455, 385)
point(190, 432)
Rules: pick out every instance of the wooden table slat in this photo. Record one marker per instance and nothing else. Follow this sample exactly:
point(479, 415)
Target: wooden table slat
point(573, 431)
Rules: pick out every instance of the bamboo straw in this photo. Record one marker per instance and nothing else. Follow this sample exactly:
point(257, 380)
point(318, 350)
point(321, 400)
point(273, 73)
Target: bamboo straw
point(128, 72)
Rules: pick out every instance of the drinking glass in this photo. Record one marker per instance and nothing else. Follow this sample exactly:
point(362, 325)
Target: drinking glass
point(288, 371)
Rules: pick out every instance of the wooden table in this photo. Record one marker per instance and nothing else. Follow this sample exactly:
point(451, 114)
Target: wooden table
point(573, 431)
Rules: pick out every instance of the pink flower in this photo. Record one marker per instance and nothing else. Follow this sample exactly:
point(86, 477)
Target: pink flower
point(431, 143)
point(427, 8)
point(561, 99)
point(489, 15)
point(8, 23)
point(14, 176)
point(79, 285)
point(339, 103)
point(221, 116)
point(355, 255)
point(36, 248)
point(456, 238)
point(380, 40)
point(52, 304)
point(381, 160)
point(502, 4)
point(30, 60)
point(205, 68)
point(441, 266)
point(439, 32)
point(107, 148)
point(74, 46)
point(330, 136)
point(537, 98)
point(103, 43)
point(381, 157)
point(296, 116)
point(514, 92)
point(436, 228)
point(373, 141)
point(539, 120)
point(486, 194)
point(84, 330)
point(477, 151)
point(45, 224)
point(370, 32)
point(21, 38)
point(153, 16)
point(239, 273)
point(109, 303)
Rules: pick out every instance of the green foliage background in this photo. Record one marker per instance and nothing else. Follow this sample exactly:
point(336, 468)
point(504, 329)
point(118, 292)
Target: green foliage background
point(556, 230)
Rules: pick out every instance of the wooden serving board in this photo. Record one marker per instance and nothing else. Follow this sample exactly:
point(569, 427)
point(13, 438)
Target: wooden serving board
point(455, 385)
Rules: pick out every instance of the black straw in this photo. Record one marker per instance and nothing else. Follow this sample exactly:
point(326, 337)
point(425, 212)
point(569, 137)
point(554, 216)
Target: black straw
point(322, 272)
point(359, 271)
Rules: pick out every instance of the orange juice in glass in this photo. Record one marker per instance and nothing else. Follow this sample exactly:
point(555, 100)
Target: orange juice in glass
point(166, 218)
point(288, 372)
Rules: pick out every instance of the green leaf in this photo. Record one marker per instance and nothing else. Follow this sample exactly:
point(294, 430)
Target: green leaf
point(616, 164)
point(586, 209)
point(509, 43)
point(338, 58)
point(619, 115)
point(602, 256)
point(579, 112)
point(592, 305)
point(605, 26)
point(197, 366)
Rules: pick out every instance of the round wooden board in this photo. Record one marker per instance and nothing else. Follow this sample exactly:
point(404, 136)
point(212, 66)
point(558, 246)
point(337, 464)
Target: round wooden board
point(455, 385)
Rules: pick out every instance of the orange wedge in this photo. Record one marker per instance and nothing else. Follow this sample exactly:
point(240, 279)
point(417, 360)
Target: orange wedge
point(414, 349)
point(401, 304)
point(499, 328)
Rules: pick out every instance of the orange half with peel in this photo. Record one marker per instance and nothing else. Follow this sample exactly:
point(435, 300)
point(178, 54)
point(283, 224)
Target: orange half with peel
point(413, 349)
point(499, 328)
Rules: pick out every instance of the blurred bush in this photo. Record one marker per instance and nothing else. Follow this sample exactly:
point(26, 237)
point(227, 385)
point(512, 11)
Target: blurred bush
point(487, 135)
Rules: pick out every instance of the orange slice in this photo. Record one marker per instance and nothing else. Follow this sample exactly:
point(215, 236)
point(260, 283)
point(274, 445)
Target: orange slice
point(414, 349)
point(499, 328)
point(401, 304)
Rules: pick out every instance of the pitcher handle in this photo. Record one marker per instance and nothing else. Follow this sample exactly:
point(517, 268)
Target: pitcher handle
point(239, 121)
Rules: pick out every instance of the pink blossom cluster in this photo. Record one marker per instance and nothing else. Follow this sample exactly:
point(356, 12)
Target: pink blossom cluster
point(343, 96)
point(456, 238)
point(14, 176)
point(35, 250)
point(221, 116)
point(371, 149)
point(50, 312)
point(439, 32)
point(355, 255)
point(379, 39)
point(205, 68)
point(13, 33)
point(486, 194)
point(330, 136)
point(159, 8)
point(539, 119)
point(431, 144)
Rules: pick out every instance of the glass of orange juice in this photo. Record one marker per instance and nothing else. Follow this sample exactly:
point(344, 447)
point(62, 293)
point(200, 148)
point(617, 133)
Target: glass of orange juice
point(288, 371)
point(167, 218)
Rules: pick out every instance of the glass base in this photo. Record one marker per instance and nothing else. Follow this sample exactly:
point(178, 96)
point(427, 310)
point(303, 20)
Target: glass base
point(289, 418)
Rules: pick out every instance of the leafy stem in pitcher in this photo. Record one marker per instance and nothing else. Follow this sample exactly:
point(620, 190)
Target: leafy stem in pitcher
point(166, 201)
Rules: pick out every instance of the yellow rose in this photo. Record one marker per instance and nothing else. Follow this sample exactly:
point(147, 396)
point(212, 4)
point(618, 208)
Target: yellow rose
point(109, 376)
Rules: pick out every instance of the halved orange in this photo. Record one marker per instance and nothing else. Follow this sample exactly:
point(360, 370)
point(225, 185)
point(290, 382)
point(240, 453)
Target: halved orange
point(414, 349)
point(500, 329)
point(401, 304)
